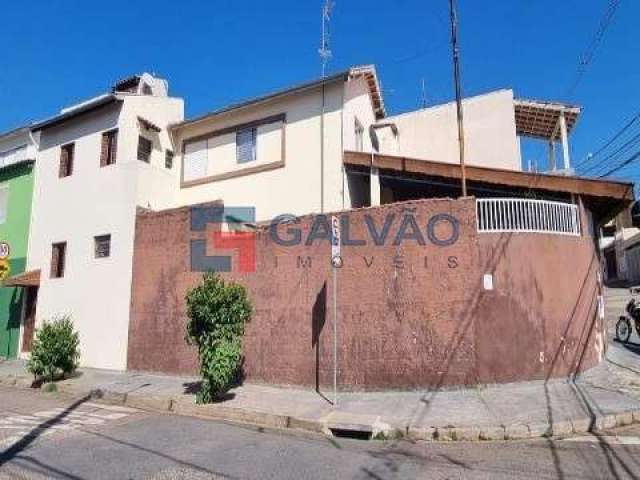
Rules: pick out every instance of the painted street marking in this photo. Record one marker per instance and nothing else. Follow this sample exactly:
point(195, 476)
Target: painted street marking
point(114, 408)
point(608, 439)
point(48, 421)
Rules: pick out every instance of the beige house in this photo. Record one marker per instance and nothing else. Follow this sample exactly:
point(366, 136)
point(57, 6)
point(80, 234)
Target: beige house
point(283, 153)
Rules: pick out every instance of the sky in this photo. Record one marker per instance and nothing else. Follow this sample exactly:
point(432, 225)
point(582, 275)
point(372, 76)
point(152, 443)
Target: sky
point(55, 53)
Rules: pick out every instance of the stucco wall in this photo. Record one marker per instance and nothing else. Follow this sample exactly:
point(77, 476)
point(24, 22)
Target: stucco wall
point(295, 187)
point(432, 133)
point(409, 315)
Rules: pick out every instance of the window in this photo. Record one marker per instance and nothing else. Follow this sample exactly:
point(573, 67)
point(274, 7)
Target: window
point(58, 254)
point(144, 149)
point(109, 148)
point(246, 145)
point(359, 132)
point(66, 160)
point(168, 159)
point(102, 246)
point(4, 203)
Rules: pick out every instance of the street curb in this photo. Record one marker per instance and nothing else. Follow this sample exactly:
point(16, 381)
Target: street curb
point(449, 433)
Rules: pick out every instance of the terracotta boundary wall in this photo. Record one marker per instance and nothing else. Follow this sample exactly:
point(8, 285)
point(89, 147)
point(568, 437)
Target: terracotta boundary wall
point(410, 315)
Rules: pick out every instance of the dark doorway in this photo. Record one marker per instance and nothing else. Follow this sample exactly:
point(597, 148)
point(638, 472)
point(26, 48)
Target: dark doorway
point(29, 318)
point(610, 259)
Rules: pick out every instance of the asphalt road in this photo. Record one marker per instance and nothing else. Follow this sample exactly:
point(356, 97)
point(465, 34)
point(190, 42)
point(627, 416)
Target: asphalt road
point(45, 437)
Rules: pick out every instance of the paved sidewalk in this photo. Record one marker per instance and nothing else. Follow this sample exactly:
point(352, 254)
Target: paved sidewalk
point(604, 397)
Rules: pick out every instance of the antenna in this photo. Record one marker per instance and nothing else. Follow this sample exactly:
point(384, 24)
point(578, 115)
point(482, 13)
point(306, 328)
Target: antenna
point(423, 99)
point(325, 42)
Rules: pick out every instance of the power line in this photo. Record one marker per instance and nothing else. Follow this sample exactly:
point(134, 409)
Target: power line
point(632, 158)
point(610, 141)
point(615, 155)
point(587, 57)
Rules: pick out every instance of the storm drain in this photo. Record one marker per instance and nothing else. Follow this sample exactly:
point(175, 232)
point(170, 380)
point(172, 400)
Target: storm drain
point(360, 432)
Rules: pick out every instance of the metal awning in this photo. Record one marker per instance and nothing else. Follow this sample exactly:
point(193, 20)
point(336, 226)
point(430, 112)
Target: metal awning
point(26, 279)
point(541, 119)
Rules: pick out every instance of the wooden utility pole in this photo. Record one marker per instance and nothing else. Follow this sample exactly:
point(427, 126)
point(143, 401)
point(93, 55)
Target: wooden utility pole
point(453, 9)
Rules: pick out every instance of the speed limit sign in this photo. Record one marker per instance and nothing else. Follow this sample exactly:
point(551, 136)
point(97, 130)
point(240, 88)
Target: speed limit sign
point(5, 251)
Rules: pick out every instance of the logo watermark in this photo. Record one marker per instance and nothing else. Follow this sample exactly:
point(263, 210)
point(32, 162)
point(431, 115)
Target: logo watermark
point(231, 230)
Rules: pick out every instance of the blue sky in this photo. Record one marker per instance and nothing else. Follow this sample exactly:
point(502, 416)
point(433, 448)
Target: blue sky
point(56, 52)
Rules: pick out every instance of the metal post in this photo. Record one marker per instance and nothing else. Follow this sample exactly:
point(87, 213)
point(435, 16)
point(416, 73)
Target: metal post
point(335, 336)
point(565, 142)
point(552, 155)
point(456, 79)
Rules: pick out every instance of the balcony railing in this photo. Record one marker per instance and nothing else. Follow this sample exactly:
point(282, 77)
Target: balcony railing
point(496, 215)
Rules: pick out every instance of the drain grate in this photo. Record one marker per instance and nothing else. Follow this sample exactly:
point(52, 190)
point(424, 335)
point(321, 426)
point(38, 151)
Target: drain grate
point(353, 434)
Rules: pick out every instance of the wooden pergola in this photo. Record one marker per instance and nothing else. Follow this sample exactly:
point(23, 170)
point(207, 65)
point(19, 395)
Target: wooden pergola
point(550, 121)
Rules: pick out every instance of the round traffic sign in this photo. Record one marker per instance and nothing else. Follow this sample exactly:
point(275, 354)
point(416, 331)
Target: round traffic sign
point(5, 250)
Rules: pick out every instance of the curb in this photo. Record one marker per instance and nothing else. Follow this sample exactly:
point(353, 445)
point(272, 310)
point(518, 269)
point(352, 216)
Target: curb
point(450, 433)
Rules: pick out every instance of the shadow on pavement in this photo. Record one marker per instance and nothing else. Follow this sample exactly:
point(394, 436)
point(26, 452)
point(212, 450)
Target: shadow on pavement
point(14, 450)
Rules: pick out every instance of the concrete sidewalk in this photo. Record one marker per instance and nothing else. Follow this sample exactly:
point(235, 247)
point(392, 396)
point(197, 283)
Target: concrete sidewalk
point(604, 397)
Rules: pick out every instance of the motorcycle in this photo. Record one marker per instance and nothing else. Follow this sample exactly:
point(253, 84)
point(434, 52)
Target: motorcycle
point(624, 327)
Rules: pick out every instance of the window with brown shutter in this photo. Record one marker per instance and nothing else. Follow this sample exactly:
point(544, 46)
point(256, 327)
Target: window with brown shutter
point(102, 246)
point(66, 160)
point(109, 148)
point(58, 258)
point(144, 149)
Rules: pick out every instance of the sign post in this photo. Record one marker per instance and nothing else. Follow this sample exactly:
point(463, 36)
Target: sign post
point(336, 262)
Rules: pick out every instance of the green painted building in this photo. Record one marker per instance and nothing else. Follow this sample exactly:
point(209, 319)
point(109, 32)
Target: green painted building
point(16, 189)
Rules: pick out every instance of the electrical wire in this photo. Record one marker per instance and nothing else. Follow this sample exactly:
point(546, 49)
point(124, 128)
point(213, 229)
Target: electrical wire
point(632, 158)
point(615, 137)
point(587, 57)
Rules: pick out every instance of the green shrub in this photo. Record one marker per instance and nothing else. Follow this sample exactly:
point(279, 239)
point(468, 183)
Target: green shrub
point(217, 314)
point(55, 349)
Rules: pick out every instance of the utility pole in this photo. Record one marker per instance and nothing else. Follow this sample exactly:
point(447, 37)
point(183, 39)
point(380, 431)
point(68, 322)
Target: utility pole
point(453, 9)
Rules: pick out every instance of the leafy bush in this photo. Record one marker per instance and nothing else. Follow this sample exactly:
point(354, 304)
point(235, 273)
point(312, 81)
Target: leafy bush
point(55, 349)
point(217, 314)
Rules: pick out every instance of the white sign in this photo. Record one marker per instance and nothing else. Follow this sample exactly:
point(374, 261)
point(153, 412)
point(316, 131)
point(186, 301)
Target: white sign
point(335, 241)
point(5, 251)
point(487, 281)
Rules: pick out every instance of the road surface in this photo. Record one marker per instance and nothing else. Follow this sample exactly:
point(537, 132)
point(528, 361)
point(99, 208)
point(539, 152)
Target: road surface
point(42, 436)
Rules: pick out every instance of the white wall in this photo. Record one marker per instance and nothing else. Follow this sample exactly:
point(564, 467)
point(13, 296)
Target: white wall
point(294, 188)
point(94, 201)
point(432, 133)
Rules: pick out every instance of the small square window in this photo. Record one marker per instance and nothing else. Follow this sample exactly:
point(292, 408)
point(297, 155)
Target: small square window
point(168, 159)
point(66, 160)
point(58, 259)
point(246, 145)
point(102, 246)
point(144, 149)
point(109, 148)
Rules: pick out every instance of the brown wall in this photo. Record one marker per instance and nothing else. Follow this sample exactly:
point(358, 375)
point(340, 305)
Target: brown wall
point(409, 315)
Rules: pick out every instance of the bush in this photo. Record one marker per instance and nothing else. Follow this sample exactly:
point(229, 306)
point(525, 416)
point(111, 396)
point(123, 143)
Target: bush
point(217, 314)
point(55, 349)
